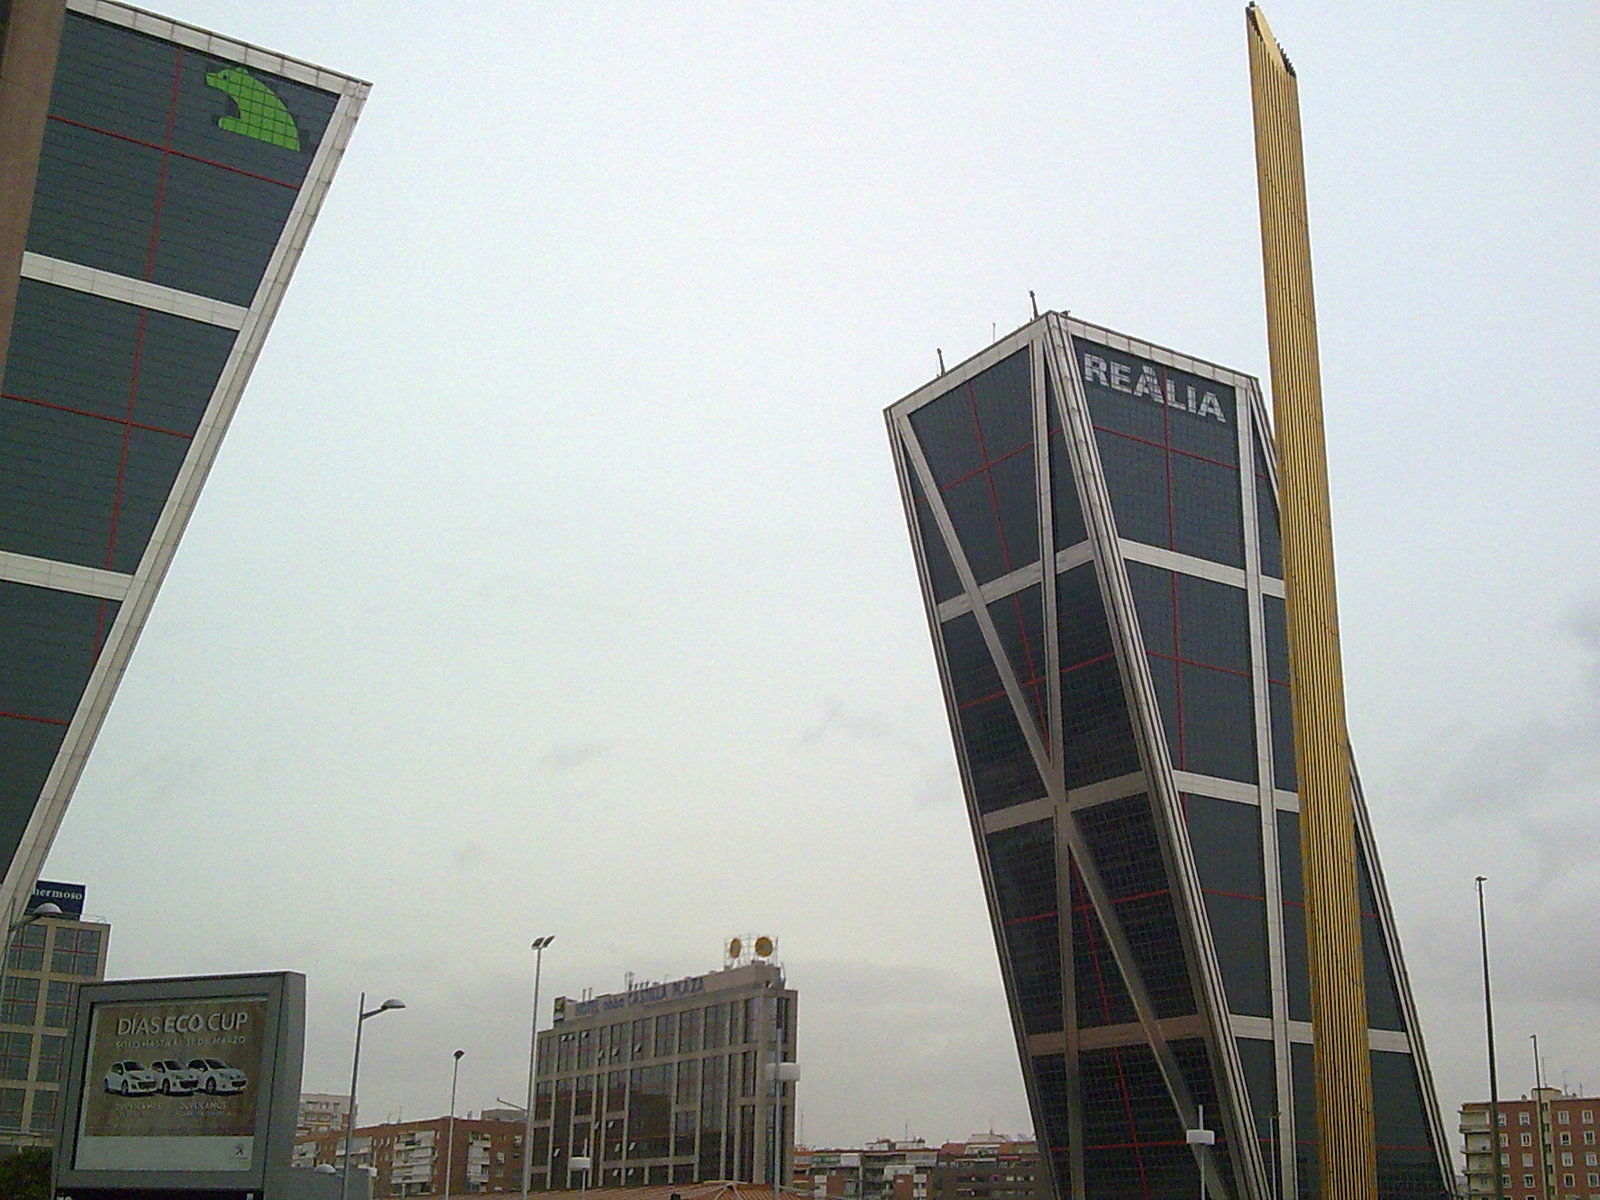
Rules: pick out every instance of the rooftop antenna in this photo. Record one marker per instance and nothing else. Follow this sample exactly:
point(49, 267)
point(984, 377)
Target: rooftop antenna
point(940, 353)
point(1034, 300)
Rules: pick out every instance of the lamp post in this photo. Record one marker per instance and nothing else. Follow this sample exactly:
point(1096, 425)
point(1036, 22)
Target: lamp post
point(355, 1066)
point(1538, 1112)
point(539, 943)
point(1200, 1137)
point(450, 1137)
point(1488, 1025)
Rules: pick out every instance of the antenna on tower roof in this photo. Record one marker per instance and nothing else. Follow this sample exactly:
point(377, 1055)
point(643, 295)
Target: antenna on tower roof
point(1034, 300)
point(940, 353)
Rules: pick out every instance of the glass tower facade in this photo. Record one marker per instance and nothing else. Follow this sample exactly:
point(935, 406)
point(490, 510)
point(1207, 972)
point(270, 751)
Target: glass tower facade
point(170, 187)
point(1095, 526)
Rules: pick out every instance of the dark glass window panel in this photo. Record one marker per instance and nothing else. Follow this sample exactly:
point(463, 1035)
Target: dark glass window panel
point(1275, 624)
point(1303, 1080)
point(15, 1050)
point(1153, 601)
point(95, 200)
point(1383, 998)
point(1002, 401)
point(998, 758)
point(1213, 623)
point(1239, 932)
point(20, 1000)
point(1133, 1139)
point(58, 1004)
point(1296, 962)
point(1022, 864)
point(11, 1107)
point(973, 676)
point(1271, 541)
point(218, 229)
point(1083, 633)
point(51, 640)
point(1207, 521)
point(1099, 993)
point(1069, 527)
point(1218, 730)
point(978, 528)
point(1136, 477)
point(1019, 620)
point(51, 1048)
point(942, 577)
point(1121, 835)
point(1407, 1163)
point(77, 482)
point(1033, 946)
point(1050, 1083)
point(1195, 428)
point(1280, 702)
point(1096, 733)
point(1164, 676)
point(43, 1119)
point(1257, 1060)
point(1016, 499)
point(1225, 838)
point(977, 422)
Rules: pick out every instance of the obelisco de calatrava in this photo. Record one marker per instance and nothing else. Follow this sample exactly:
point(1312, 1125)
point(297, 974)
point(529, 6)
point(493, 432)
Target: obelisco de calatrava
point(1346, 1149)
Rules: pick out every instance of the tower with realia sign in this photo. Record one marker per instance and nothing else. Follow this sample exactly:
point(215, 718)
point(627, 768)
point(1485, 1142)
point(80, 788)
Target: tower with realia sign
point(1095, 523)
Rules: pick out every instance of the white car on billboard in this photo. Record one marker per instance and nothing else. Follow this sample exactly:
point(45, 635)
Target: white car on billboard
point(176, 1079)
point(217, 1077)
point(129, 1078)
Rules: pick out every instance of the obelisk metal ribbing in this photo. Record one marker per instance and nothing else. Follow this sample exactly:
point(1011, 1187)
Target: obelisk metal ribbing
point(1346, 1145)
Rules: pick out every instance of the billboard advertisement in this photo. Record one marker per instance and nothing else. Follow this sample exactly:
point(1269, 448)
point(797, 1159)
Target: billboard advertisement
point(172, 1085)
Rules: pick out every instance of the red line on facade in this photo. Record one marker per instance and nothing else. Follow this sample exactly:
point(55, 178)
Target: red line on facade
point(1133, 1125)
point(988, 478)
point(1215, 462)
point(987, 463)
point(83, 412)
point(28, 717)
point(209, 162)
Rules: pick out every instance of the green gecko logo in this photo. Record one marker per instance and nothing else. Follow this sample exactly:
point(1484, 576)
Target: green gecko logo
point(261, 114)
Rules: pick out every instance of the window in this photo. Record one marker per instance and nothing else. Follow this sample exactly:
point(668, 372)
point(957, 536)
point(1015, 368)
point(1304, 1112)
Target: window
point(77, 952)
point(1505, 1160)
point(1502, 1118)
point(15, 1051)
point(20, 999)
point(1568, 1180)
point(27, 954)
point(1589, 1160)
point(1566, 1138)
point(1527, 1181)
point(1524, 1119)
point(1504, 1139)
point(1588, 1137)
point(1527, 1139)
point(1527, 1160)
point(1564, 1117)
point(1566, 1158)
point(1588, 1116)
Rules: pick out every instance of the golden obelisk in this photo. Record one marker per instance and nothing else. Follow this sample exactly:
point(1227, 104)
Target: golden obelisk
point(1346, 1146)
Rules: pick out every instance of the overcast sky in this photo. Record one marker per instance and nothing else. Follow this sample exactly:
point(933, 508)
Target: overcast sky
point(553, 579)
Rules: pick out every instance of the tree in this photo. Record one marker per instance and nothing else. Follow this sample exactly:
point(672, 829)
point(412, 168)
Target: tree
point(25, 1175)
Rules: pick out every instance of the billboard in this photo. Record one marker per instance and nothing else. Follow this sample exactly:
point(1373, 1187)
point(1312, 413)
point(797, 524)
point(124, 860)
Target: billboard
point(165, 1088)
point(68, 897)
point(182, 1083)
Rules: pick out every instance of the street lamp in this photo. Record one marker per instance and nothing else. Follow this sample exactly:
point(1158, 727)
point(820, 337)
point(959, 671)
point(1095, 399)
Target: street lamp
point(355, 1066)
point(539, 943)
point(450, 1137)
point(1488, 1024)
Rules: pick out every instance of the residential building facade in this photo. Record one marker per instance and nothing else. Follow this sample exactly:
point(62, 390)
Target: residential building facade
point(668, 1082)
point(409, 1158)
point(989, 1170)
point(1545, 1144)
point(1095, 524)
point(321, 1112)
point(45, 961)
point(157, 183)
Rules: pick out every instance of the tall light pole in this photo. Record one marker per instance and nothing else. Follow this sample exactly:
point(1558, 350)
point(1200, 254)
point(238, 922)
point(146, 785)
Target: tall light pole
point(450, 1137)
point(355, 1067)
point(1538, 1112)
point(539, 943)
point(1488, 1025)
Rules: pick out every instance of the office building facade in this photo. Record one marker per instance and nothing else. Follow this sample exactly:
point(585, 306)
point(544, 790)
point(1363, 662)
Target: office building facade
point(1124, 730)
point(668, 1083)
point(1544, 1147)
point(157, 183)
point(45, 961)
